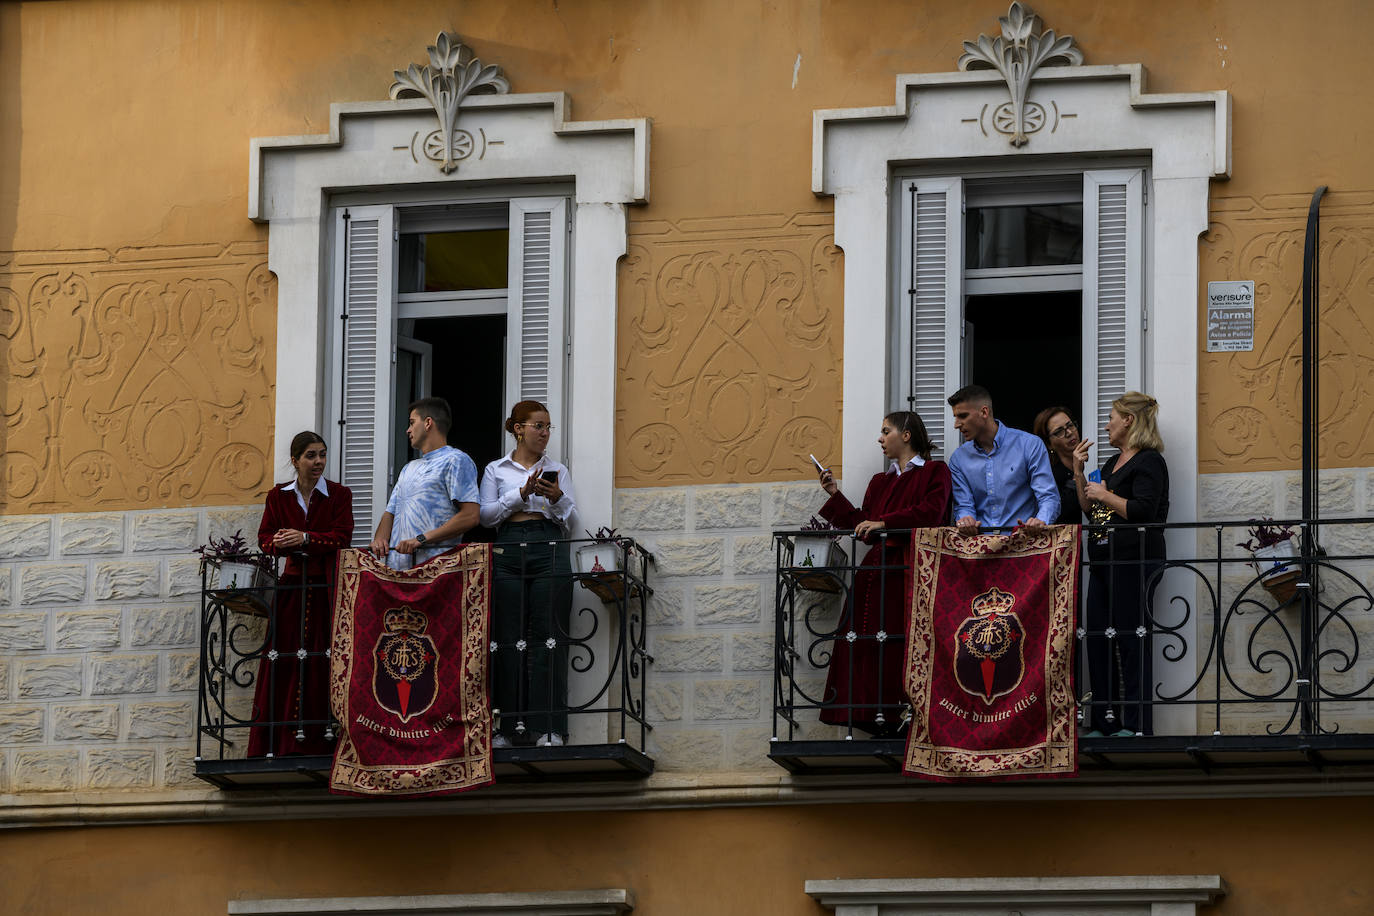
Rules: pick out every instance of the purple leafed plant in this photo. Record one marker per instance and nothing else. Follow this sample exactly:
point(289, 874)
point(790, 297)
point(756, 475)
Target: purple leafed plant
point(1265, 532)
point(235, 549)
point(821, 527)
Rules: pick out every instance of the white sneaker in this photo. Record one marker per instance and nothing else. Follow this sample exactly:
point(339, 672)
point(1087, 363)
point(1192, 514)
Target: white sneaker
point(500, 741)
point(549, 739)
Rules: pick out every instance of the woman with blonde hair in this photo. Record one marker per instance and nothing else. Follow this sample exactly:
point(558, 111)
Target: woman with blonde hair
point(1124, 565)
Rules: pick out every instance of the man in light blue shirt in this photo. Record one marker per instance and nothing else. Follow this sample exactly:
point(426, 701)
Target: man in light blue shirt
point(435, 500)
point(1001, 475)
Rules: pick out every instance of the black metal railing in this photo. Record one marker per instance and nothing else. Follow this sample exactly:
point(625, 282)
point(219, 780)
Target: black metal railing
point(568, 660)
point(1207, 649)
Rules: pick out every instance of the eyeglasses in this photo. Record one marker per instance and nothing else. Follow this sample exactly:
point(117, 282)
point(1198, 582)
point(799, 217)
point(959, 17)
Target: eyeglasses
point(539, 427)
point(1063, 431)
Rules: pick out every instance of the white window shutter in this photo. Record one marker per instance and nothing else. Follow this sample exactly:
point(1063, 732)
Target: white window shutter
point(1113, 294)
point(364, 288)
point(537, 312)
point(932, 301)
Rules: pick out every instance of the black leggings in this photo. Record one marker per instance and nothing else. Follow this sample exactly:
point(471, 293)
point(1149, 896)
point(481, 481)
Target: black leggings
point(1121, 666)
point(532, 602)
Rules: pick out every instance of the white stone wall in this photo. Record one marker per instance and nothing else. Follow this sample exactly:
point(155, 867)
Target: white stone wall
point(710, 696)
point(99, 646)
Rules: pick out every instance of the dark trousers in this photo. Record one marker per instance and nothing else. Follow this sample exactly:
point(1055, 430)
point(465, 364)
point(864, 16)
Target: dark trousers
point(1120, 665)
point(532, 601)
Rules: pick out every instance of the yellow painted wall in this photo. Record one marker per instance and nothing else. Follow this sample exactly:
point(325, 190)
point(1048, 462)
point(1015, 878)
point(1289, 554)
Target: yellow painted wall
point(1278, 856)
point(124, 130)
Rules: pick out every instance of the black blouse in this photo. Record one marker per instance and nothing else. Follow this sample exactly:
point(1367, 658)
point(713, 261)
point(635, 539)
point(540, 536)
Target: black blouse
point(1069, 511)
point(1144, 483)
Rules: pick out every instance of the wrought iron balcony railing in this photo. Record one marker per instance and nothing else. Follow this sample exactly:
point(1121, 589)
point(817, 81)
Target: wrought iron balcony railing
point(592, 695)
point(1247, 662)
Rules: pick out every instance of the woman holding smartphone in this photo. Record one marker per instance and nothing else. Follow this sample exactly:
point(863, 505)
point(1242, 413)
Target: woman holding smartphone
point(528, 498)
point(863, 687)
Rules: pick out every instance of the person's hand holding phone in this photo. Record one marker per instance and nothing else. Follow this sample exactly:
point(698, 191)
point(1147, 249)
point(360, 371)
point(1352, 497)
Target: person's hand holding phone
point(546, 485)
point(827, 479)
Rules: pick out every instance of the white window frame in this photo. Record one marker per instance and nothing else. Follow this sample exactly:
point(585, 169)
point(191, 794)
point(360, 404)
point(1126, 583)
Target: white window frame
point(293, 182)
point(601, 902)
point(941, 300)
point(1124, 895)
point(1185, 138)
point(534, 304)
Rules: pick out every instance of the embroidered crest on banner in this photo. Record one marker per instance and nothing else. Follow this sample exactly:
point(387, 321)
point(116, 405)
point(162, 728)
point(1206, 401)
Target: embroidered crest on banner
point(989, 658)
point(406, 678)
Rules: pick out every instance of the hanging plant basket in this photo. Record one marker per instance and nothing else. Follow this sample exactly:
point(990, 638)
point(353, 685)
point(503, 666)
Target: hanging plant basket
point(1278, 573)
point(600, 564)
point(241, 585)
point(817, 561)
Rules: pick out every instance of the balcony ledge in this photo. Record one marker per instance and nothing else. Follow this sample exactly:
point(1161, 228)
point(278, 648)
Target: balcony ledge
point(515, 764)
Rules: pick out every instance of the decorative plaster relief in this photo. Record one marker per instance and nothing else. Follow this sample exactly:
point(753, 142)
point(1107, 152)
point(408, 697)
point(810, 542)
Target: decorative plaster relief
point(452, 74)
point(731, 351)
point(1251, 402)
point(136, 378)
point(1021, 50)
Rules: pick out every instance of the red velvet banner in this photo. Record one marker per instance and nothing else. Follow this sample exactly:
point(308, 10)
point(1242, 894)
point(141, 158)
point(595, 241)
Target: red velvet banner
point(408, 675)
point(990, 655)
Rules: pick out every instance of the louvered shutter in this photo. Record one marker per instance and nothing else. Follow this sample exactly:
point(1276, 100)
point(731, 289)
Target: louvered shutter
point(933, 249)
point(538, 302)
point(1113, 230)
point(365, 281)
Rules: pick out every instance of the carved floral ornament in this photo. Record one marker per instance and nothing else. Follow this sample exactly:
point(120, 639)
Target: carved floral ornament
point(453, 73)
point(1021, 50)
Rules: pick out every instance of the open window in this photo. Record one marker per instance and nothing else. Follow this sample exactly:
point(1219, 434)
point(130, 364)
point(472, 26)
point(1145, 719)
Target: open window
point(466, 302)
point(1028, 285)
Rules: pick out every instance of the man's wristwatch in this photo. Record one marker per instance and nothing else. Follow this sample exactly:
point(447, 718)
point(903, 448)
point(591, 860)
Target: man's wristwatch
point(420, 538)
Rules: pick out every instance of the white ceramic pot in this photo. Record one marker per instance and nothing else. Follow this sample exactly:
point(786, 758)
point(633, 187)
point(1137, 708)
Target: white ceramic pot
point(599, 557)
point(1275, 560)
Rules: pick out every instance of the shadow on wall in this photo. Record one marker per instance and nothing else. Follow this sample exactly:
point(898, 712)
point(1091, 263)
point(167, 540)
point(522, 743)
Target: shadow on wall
point(10, 105)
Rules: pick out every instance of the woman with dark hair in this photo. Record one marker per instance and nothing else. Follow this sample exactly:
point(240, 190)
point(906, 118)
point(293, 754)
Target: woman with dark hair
point(307, 520)
point(1055, 427)
point(864, 685)
point(528, 498)
point(1123, 565)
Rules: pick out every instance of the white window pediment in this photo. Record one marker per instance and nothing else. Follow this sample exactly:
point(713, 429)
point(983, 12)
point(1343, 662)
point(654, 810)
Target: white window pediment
point(501, 145)
point(944, 124)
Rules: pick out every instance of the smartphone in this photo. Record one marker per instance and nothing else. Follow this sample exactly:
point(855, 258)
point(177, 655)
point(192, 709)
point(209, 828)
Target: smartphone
point(550, 476)
point(819, 469)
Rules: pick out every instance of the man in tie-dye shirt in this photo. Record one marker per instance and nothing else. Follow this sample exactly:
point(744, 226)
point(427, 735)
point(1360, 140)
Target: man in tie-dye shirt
point(435, 499)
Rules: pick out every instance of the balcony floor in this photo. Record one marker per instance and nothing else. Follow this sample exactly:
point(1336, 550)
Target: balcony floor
point(1157, 752)
point(569, 763)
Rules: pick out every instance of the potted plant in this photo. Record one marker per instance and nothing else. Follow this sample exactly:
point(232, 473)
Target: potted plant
point(240, 578)
point(815, 557)
point(1274, 550)
point(601, 560)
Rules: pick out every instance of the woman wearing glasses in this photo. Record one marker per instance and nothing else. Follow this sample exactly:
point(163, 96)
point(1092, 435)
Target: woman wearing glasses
point(527, 497)
point(1060, 434)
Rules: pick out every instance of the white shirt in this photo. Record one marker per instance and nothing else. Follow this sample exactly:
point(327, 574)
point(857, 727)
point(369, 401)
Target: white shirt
point(501, 483)
point(300, 500)
point(915, 461)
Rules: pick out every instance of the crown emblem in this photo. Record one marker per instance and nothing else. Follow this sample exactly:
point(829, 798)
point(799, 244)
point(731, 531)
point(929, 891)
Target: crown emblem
point(405, 620)
point(993, 601)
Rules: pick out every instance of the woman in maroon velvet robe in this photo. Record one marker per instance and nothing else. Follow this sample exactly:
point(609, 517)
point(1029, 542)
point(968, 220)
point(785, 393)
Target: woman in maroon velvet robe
point(314, 517)
point(864, 684)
